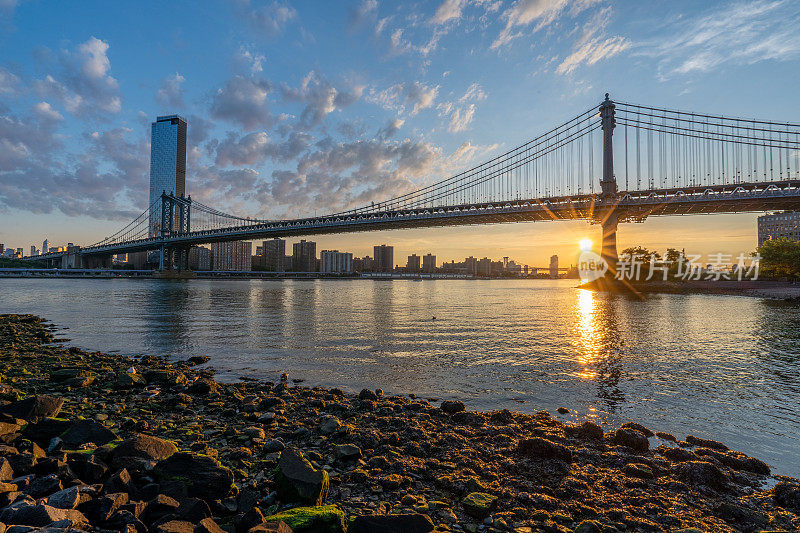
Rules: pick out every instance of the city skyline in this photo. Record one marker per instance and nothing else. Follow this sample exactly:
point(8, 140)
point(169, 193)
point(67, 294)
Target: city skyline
point(265, 131)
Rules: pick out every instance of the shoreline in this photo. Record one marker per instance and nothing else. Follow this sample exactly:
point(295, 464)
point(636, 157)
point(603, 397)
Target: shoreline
point(388, 459)
point(776, 290)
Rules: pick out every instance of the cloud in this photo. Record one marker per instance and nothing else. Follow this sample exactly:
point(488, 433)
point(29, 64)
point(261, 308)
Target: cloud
point(400, 96)
point(84, 85)
point(9, 83)
point(365, 12)
point(255, 148)
point(249, 60)
point(198, 129)
point(321, 98)
point(243, 101)
point(391, 128)
point(448, 10)
point(742, 33)
point(594, 45)
point(267, 19)
point(170, 93)
point(44, 112)
point(542, 12)
point(461, 112)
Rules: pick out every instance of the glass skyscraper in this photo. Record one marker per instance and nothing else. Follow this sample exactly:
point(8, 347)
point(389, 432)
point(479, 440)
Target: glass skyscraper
point(167, 163)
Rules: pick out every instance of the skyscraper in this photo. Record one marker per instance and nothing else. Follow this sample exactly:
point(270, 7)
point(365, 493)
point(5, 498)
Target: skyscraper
point(167, 163)
point(45, 246)
point(429, 263)
point(384, 258)
point(412, 265)
point(272, 255)
point(304, 256)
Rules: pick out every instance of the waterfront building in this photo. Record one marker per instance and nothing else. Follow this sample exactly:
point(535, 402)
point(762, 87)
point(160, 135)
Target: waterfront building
point(363, 264)
point(199, 258)
point(272, 255)
point(429, 263)
point(167, 163)
point(33, 250)
point(19, 253)
point(484, 267)
point(554, 266)
point(774, 226)
point(304, 256)
point(233, 256)
point(2, 249)
point(334, 261)
point(471, 265)
point(413, 263)
point(45, 246)
point(384, 258)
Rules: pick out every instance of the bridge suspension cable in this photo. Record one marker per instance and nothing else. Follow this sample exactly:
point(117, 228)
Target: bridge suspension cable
point(672, 148)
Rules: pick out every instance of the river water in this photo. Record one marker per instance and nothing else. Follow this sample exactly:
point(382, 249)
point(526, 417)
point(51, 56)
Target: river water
point(720, 367)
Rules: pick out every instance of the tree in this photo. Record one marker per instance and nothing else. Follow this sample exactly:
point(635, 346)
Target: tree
point(640, 253)
point(780, 258)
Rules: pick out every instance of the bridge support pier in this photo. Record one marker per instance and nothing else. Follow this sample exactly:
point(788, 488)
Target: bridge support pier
point(608, 245)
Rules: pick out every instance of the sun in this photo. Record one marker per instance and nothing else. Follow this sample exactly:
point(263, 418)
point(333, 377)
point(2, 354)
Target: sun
point(585, 244)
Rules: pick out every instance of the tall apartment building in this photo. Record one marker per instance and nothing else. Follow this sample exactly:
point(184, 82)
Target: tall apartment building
point(304, 256)
point(384, 258)
point(334, 261)
point(554, 266)
point(429, 263)
point(779, 226)
point(272, 255)
point(234, 256)
point(484, 267)
point(363, 264)
point(413, 264)
point(471, 265)
point(167, 163)
point(199, 258)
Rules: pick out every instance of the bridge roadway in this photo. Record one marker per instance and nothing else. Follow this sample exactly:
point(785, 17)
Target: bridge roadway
point(629, 206)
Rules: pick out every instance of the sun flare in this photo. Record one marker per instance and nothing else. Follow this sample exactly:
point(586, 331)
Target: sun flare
point(585, 244)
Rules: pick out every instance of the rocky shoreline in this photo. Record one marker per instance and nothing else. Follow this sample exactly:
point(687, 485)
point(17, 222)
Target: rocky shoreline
point(91, 441)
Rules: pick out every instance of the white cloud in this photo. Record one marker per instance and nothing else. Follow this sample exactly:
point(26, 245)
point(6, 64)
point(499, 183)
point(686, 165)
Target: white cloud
point(9, 83)
point(45, 113)
point(542, 12)
point(461, 113)
point(448, 10)
point(171, 93)
point(740, 33)
point(321, 98)
point(84, 85)
point(243, 101)
point(400, 96)
point(592, 52)
point(252, 62)
point(267, 19)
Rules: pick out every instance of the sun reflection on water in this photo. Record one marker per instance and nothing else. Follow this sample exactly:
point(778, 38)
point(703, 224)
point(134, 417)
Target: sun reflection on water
point(588, 341)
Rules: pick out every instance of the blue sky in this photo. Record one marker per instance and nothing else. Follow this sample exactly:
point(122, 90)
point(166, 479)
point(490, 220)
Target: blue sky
point(296, 108)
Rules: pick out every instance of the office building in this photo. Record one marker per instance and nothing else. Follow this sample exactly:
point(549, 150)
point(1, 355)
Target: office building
point(232, 256)
point(199, 258)
point(774, 226)
point(471, 265)
point(412, 265)
point(384, 258)
point(553, 266)
point(272, 255)
point(2, 249)
point(33, 250)
point(363, 264)
point(167, 163)
point(45, 246)
point(484, 267)
point(429, 263)
point(19, 253)
point(304, 256)
point(336, 262)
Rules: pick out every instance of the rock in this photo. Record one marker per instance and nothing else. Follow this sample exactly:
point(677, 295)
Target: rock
point(587, 430)
point(452, 406)
point(65, 499)
point(323, 519)
point(204, 385)
point(101, 508)
point(278, 526)
point(398, 523)
point(637, 427)
point(298, 481)
point(367, 394)
point(118, 482)
point(142, 447)
point(700, 473)
point(347, 451)
point(479, 504)
point(84, 431)
point(34, 408)
point(250, 519)
point(165, 377)
point(41, 515)
point(677, 455)
point(706, 443)
point(198, 360)
point(631, 438)
point(193, 510)
point(639, 470)
point(328, 424)
point(787, 495)
point(43, 486)
point(44, 431)
point(562, 410)
point(539, 448)
point(158, 508)
point(255, 432)
point(589, 526)
point(127, 380)
point(6, 472)
point(173, 526)
point(207, 525)
point(273, 445)
point(204, 477)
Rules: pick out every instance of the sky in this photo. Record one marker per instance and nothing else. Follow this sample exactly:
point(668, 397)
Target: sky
point(302, 108)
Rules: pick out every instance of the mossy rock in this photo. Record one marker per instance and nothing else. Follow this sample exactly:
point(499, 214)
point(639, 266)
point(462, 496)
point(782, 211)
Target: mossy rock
point(322, 519)
point(479, 504)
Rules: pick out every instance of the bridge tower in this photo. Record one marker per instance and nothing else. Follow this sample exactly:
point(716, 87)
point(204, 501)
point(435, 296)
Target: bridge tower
point(175, 220)
point(609, 217)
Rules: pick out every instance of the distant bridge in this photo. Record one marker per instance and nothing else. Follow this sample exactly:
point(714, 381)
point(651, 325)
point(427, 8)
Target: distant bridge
point(668, 163)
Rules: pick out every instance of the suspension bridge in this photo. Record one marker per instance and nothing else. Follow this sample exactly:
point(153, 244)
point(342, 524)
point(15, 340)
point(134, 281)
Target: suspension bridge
point(616, 162)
